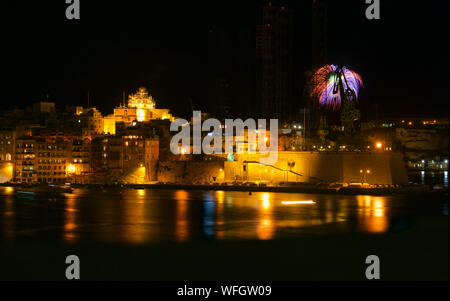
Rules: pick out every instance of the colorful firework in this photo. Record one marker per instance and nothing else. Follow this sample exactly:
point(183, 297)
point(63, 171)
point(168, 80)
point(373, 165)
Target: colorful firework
point(331, 82)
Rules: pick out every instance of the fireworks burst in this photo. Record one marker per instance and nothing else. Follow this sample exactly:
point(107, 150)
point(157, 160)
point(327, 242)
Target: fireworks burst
point(328, 82)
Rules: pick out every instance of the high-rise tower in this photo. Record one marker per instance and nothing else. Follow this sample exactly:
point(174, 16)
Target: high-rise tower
point(274, 42)
point(319, 34)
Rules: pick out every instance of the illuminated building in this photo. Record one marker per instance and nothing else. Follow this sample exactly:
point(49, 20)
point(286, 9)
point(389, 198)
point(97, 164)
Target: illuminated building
point(90, 120)
point(46, 159)
point(51, 160)
point(80, 160)
point(109, 125)
point(25, 160)
point(6, 145)
point(107, 155)
point(130, 158)
point(151, 159)
point(140, 108)
point(6, 155)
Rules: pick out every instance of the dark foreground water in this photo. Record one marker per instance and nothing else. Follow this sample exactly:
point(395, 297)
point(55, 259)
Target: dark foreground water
point(218, 235)
point(146, 216)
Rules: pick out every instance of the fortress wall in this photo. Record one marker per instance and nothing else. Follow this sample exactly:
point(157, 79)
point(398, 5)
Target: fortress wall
point(384, 168)
point(378, 165)
point(398, 169)
point(191, 172)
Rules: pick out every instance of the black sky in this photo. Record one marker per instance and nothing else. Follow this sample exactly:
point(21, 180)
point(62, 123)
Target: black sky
point(118, 46)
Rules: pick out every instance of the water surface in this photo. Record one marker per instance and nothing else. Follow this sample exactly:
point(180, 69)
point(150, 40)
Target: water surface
point(150, 215)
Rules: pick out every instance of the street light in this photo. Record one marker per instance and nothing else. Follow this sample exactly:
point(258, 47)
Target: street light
point(364, 173)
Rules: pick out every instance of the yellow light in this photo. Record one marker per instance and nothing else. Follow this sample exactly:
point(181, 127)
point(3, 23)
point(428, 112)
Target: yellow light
point(220, 196)
point(266, 139)
point(297, 202)
point(181, 195)
point(368, 171)
point(378, 145)
point(141, 192)
point(266, 199)
point(71, 168)
point(140, 115)
point(361, 171)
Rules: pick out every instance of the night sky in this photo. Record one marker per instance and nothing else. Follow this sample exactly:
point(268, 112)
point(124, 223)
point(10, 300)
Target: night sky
point(119, 45)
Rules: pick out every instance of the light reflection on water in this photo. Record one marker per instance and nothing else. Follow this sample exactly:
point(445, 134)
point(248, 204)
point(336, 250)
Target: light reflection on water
point(143, 215)
point(372, 214)
point(70, 222)
point(429, 177)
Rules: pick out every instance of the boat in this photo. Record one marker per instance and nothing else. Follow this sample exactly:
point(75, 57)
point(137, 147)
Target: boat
point(43, 190)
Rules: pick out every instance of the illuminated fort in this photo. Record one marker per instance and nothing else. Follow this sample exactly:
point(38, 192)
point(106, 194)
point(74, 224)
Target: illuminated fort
point(140, 108)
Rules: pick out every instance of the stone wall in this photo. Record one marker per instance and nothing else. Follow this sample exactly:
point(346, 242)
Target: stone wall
point(423, 139)
point(191, 172)
point(376, 167)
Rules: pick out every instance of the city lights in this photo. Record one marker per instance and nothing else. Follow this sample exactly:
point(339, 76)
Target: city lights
point(71, 169)
point(230, 141)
